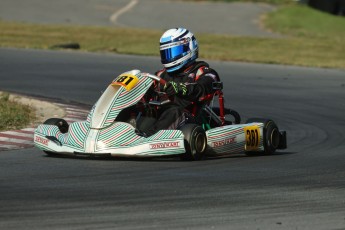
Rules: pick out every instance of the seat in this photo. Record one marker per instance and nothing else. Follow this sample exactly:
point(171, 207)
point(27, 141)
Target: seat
point(210, 117)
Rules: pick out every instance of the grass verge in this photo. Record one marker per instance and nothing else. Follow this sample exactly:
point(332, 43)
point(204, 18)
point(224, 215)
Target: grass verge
point(273, 2)
point(311, 38)
point(14, 115)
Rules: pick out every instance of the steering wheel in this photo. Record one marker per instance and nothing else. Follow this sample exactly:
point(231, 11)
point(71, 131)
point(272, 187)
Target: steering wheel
point(161, 81)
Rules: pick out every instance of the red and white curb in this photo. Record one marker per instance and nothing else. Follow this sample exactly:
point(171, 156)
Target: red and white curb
point(24, 138)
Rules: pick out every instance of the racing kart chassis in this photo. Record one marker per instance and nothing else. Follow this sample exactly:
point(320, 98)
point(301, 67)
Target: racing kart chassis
point(103, 133)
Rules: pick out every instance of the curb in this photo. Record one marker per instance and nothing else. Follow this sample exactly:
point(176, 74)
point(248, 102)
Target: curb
point(24, 138)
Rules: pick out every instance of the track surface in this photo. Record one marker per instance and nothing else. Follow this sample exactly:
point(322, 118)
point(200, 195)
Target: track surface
point(199, 17)
point(300, 188)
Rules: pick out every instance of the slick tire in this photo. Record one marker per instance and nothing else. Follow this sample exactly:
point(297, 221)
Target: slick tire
point(271, 136)
point(236, 116)
point(195, 142)
point(60, 123)
point(63, 127)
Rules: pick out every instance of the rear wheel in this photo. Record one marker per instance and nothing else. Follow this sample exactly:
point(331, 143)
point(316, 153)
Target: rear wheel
point(195, 142)
point(271, 135)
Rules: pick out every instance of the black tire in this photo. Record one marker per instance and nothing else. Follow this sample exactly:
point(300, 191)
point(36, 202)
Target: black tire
point(236, 115)
point(195, 142)
point(271, 135)
point(63, 127)
point(60, 123)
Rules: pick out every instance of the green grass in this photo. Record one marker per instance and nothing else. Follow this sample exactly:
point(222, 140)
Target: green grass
point(311, 38)
point(14, 115)
point(304, 22)
point(22, 35)
point(273, 2)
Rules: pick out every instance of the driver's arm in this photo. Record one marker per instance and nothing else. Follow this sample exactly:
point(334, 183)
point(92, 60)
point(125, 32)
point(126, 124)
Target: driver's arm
point(191, 91)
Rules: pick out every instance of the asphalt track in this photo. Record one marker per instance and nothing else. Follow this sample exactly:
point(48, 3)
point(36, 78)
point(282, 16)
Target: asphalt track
point(200, 17)
point(302, 187)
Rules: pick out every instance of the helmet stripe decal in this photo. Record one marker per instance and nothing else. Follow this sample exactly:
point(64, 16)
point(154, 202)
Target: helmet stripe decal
point(178, 47)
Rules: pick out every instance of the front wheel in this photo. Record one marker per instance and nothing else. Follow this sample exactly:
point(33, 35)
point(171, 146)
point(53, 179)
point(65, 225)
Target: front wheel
point(195, 142)
point(59, 122)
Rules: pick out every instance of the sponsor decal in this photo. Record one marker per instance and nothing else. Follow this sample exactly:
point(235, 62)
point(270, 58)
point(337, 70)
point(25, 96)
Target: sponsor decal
point(185, 40)
point(164, 145)
point(224, 142)
point(182, 41)
point(41, 140)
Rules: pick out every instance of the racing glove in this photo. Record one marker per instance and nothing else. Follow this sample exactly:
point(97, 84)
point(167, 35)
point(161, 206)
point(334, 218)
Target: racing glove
point(172, 88)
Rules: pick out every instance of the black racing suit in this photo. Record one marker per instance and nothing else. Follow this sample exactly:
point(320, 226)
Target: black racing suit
point(198, 79)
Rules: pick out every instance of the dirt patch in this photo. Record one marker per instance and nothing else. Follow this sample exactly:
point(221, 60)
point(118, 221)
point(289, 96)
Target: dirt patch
point(43, 109)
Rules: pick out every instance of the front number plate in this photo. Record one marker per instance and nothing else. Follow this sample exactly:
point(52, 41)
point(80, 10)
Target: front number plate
point(126, 80)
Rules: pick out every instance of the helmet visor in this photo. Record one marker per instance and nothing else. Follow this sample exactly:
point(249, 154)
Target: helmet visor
point(173, 53)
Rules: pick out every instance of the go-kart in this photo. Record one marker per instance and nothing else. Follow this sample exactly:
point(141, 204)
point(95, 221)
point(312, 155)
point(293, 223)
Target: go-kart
point(111, 127)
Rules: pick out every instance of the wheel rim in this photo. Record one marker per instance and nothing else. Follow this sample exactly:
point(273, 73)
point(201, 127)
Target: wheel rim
point(200, 143)
point(275, 137)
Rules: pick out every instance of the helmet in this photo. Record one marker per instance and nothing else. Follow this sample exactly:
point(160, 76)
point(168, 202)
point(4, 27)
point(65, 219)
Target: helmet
point(178, 47)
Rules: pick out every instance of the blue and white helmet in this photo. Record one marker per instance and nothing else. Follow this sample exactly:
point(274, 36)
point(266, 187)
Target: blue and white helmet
point(178, 47)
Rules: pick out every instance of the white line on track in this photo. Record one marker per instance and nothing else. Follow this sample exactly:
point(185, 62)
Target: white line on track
point(29, 129)
point(17, 139)
point(19, 134)
point(117, 14)
point(8, 147)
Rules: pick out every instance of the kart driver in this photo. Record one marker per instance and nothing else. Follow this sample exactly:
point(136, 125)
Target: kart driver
point(187, 80)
